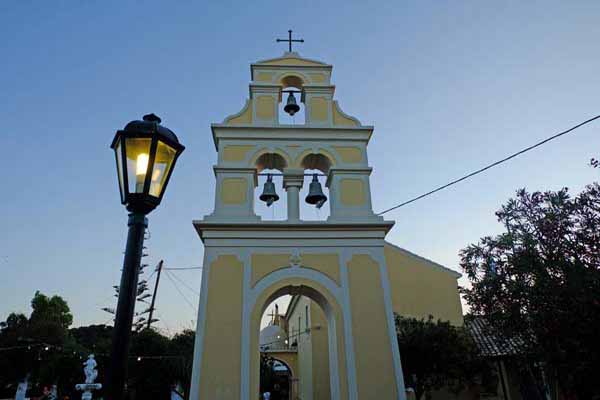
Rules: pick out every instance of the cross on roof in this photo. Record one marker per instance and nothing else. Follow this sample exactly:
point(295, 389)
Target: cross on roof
point(290, 40)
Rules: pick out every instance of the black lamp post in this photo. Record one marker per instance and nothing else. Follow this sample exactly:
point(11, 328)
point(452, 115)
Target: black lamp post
point(146, 153)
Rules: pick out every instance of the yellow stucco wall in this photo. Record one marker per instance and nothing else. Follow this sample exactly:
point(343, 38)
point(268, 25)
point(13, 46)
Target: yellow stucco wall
point(339, 118)
point(372, 348)
point(349, 154)
point(244, 117)
point(318, 109)
point(420, 288)
point(297, 323)
point(236, 152)
point(290, 358)
point(320, 353)
point(264, 76)
point(264, 264)
point(317, 77)
point(233, 191)
point(265, 107)
point(255, 327)
point(352, 192)
point(328, 264)
point(221, 356)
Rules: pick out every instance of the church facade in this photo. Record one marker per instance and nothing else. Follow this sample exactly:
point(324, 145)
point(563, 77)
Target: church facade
point(340, 272)
point(298, 337)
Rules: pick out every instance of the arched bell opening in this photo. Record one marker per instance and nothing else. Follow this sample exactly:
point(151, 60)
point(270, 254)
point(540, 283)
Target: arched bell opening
point(270, 161)
point(314, 196)
point(291, 107)
point(270, 202)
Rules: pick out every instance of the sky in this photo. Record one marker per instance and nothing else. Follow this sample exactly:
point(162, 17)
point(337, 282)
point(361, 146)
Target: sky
point(449, 86)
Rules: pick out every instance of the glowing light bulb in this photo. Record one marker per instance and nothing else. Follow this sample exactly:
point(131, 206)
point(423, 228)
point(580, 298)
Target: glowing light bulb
point(141, 164)
point(156, 174)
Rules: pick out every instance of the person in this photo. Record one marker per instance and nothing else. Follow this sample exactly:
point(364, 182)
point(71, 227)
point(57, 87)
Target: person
point(267, 396)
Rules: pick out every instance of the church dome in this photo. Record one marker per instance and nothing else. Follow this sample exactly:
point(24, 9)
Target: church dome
point(272, 337)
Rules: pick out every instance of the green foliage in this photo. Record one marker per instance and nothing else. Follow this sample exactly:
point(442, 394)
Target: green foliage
point(43, 347)
point(53, 309)
point(437, 355)
point(94, 338)
point(182, 345)
point(37, 343)
point(539, 281)
point(150, 378)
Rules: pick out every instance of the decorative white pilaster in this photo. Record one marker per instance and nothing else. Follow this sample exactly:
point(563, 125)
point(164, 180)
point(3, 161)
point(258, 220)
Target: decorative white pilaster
point(350, 195)
point(317, 100)
point(234, 195)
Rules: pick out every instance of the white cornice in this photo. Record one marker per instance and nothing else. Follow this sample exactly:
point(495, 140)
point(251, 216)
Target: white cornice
point(284, 231)
point(290, 133)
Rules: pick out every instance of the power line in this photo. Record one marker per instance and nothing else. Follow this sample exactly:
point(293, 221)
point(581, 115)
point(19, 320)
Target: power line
point(306, 331)
point(26, 346)
point(168, 274)
point(180, 269)
point(162, 321)
point(491, 165)
point(196, 292)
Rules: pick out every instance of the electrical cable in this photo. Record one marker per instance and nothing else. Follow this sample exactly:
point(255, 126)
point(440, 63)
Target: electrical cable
point(196, 292)
point(189, 303)
point(490, 165)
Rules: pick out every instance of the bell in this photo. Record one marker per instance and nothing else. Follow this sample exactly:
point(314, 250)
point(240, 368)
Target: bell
point(291, 106)
point(315, 193)
point(268, 195)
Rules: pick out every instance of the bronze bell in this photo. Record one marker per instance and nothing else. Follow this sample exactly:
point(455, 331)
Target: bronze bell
point(268, 195)
point(291, 106)
point(315, 193)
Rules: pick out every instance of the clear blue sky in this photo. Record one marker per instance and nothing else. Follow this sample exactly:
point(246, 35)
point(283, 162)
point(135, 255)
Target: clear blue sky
point(448, 85)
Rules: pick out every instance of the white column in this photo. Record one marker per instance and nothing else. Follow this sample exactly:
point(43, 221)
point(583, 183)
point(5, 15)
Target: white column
point(292, 182)
point(293, 202)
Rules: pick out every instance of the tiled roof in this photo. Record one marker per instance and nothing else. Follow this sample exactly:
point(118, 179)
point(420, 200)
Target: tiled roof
point(490, 342)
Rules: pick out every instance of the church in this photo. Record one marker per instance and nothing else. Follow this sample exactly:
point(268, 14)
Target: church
point(336, 340)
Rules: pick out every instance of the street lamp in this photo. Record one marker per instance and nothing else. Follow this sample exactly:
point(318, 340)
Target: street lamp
point(146, 153)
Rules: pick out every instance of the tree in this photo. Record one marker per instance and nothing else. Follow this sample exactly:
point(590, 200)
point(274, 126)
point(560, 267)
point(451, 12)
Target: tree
point(37, 344)
point(182, 345)
point(437, 355)
point(150, 373)
point(14, 361)
point(96, 339)
point(539, 281)
point(50, 319)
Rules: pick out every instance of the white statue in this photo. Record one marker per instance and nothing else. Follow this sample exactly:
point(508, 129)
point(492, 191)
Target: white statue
point(22, 389)
point(90, 369)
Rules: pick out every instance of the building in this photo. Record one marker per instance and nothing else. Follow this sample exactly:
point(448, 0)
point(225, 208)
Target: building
point(346, 281)
point(298, 338)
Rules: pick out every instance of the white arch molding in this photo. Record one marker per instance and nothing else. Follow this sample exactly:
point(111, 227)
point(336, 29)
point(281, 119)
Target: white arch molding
point(297, 272)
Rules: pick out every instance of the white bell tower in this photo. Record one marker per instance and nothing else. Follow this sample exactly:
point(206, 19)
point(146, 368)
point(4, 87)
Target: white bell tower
point(330, 141)
point(338, 263)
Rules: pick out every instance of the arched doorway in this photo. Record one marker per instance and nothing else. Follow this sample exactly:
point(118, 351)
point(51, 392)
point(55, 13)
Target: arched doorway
point(324, 293)
point(276, 377)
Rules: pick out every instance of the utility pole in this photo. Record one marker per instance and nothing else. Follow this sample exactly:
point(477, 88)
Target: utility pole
point(159, 269)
